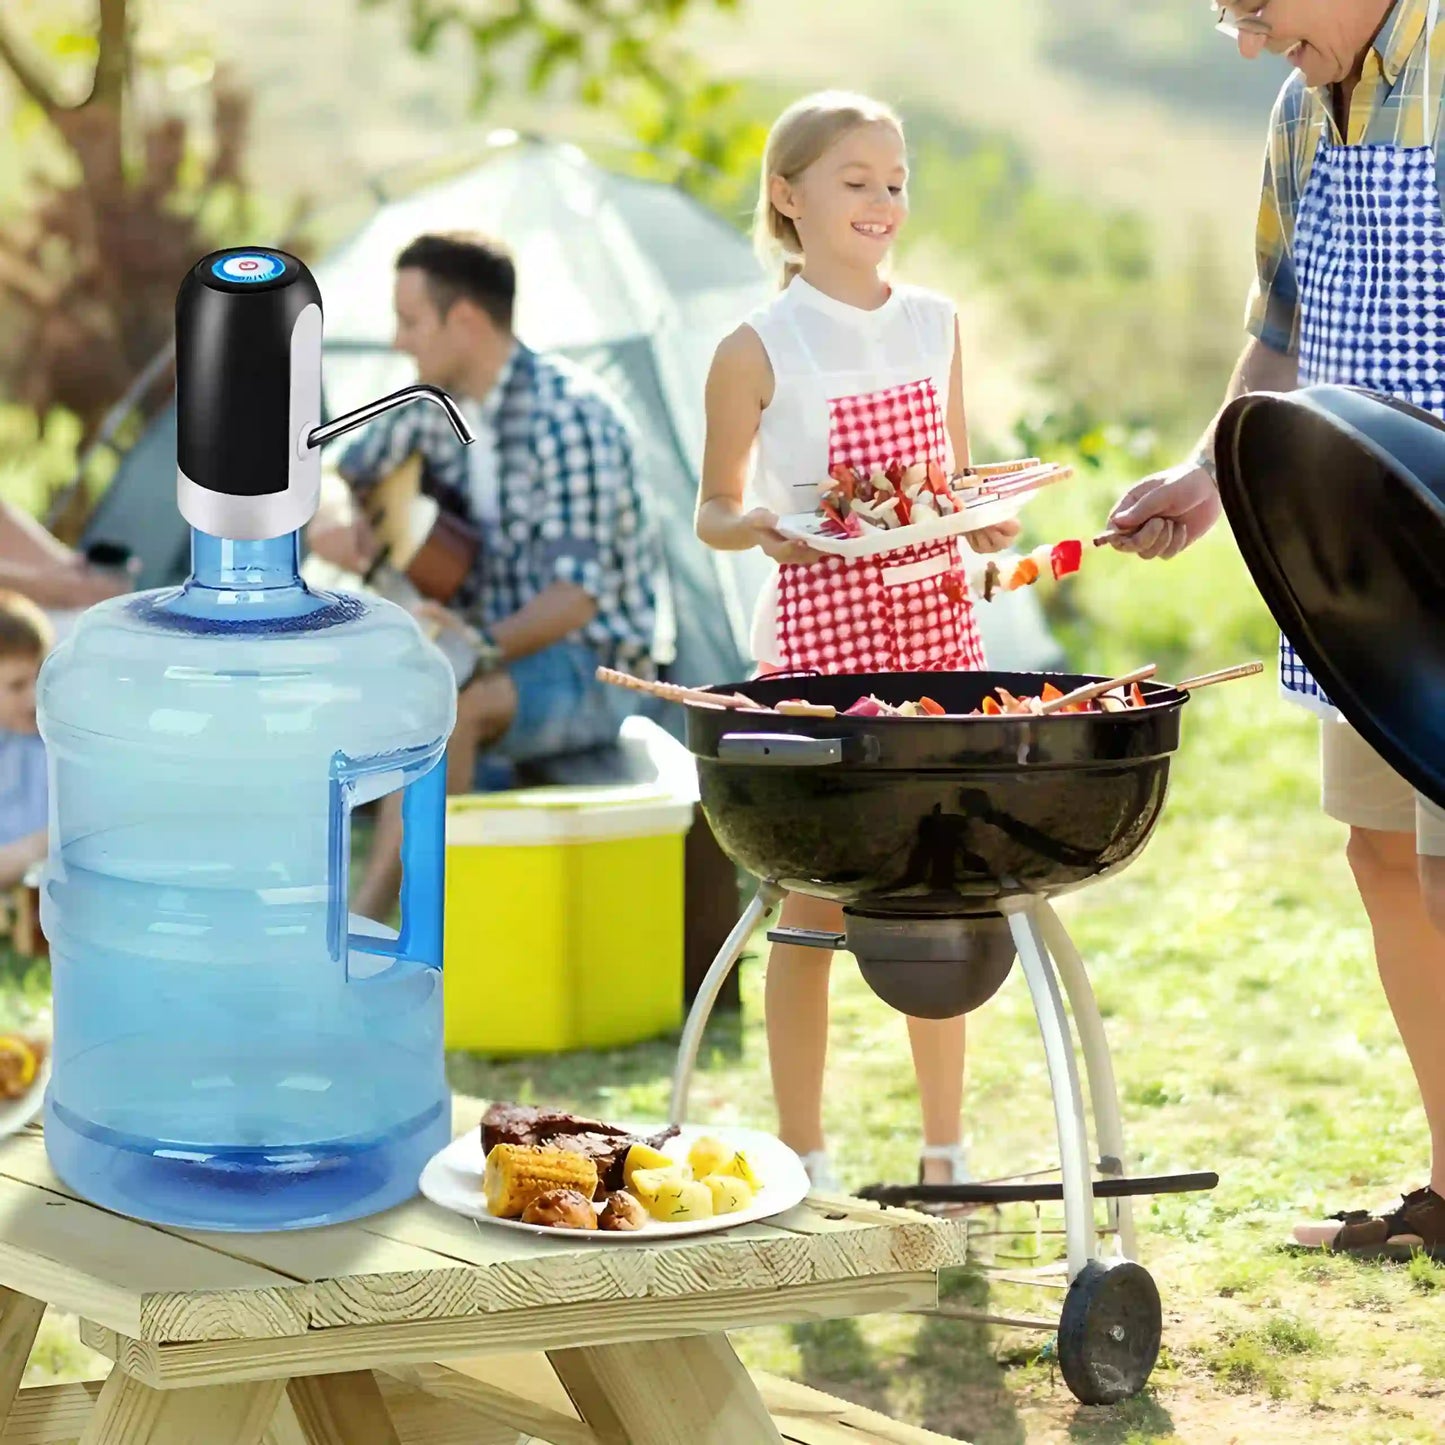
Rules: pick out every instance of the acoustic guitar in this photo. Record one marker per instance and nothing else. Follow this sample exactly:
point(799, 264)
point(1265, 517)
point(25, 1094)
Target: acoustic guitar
point(422, 553)
point(431, 548)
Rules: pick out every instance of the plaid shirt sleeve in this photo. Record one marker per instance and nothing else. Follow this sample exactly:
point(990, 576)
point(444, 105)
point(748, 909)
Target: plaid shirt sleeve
point(1273, 312)
point(589, 527)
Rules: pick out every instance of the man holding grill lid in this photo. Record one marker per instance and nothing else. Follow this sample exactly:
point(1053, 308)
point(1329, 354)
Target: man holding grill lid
point(1350, 245)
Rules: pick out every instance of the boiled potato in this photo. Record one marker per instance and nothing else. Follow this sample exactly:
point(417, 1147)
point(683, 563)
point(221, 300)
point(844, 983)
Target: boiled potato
point(680, 1200)
point(729, 1193)
point(646, 1183)
point(707, 1156)
point(641, 1157)
point(739, 1168)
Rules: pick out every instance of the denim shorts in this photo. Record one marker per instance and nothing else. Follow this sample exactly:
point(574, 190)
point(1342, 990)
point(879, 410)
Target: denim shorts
point(561, 708)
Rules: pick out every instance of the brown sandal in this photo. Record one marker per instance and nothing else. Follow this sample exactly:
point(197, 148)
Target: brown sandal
point(1416, 1227)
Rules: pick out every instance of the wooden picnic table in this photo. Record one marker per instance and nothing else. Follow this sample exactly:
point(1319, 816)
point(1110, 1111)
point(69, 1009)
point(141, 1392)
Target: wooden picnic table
point(420, 1327)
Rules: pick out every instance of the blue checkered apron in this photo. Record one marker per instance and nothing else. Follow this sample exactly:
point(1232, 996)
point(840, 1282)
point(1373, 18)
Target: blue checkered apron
point(1369, 253)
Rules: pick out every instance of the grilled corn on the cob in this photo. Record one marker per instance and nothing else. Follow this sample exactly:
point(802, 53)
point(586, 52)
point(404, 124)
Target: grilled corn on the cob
point(516, 1174)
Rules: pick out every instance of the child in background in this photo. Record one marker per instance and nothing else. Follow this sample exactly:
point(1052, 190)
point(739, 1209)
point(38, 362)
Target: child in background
point(843, 368)
point(25, 638)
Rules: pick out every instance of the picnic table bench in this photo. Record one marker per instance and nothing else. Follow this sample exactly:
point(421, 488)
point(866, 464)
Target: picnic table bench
point(421, 1327)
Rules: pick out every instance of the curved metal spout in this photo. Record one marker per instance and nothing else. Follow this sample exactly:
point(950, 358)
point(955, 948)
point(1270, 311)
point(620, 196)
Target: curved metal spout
point(320, 435)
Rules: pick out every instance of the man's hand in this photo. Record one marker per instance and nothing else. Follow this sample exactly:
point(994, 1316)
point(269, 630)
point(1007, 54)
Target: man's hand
point(994, 539)
point(348, 544)
point(762, 525)
point(1165, 513)
point(436, 619)
point(81, 585)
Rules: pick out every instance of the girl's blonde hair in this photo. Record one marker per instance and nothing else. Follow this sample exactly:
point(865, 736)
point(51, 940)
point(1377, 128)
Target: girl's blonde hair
point(798, 138)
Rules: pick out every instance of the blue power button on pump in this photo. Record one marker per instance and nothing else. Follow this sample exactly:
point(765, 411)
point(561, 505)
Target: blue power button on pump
point(249, 266)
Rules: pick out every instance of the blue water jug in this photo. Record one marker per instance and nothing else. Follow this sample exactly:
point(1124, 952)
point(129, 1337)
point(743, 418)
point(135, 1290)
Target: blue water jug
point(233, 1049)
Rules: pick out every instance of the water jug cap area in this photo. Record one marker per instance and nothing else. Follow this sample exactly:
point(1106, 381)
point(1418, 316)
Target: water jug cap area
point(248, 395)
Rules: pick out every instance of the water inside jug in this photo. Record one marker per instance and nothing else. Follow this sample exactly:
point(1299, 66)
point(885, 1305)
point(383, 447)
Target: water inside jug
point(233, 1048)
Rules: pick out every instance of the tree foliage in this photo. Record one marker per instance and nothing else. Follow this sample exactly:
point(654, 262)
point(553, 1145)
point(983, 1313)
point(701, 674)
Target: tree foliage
point(622, 56)
point(119, 200)
point(125, 192)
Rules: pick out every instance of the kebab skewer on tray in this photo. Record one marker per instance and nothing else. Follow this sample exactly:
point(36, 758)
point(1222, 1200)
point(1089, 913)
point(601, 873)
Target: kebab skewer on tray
point(854, 502)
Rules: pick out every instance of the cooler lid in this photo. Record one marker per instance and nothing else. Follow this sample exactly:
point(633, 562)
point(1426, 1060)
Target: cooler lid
point(1337, 501)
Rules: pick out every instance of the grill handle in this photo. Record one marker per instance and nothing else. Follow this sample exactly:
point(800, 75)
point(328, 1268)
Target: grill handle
point(779, 750)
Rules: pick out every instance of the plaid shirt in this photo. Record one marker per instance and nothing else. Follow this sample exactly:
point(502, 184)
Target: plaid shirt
point(571, 506)
point(1386, 109)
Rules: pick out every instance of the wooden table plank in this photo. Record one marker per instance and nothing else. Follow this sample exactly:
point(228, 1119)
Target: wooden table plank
point(50, 1414)
point(341, 1410)
point(20, 1318)
point(361, 1277)
point(664, 1391)
point(423, 1419)
point(133, 1278)
point(499, 1395)
point(356, 1347)
point(131, 1413)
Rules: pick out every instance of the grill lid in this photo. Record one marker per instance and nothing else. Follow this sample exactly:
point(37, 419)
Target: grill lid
point(1337, 500)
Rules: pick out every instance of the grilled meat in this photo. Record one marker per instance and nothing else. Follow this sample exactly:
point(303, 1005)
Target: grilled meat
point(605, 1144)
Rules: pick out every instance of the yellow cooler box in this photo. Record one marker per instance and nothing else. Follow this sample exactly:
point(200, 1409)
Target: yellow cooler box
point(564, 907)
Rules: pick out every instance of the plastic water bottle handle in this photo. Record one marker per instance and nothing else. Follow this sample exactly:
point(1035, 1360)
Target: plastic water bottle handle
point(423, 852)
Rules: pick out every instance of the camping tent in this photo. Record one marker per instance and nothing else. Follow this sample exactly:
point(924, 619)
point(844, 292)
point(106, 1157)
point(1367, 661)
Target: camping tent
point(634, 280)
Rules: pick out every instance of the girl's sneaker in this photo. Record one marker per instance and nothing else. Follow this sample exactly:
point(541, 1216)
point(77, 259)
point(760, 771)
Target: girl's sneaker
point(820, 1174)
point(956, 1158)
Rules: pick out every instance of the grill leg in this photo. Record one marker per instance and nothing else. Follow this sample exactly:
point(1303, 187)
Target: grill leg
point(1063, 1081)
point(1103, 1092)
point(727, 956)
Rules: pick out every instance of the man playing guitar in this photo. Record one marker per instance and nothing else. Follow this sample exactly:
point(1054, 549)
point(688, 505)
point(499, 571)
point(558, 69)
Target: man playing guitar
point(562, 573)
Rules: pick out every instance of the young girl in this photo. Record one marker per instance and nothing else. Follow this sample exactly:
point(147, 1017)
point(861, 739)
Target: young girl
point(842, 368)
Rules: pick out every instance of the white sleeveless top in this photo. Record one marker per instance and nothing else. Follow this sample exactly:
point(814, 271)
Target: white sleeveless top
point(821, 349)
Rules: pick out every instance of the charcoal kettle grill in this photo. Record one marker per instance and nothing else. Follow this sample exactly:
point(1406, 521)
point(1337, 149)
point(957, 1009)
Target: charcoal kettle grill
point(945, 840)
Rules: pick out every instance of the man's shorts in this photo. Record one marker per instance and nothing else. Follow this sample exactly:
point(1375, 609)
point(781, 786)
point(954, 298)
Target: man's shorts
point(561, 707)
point(1361, 789)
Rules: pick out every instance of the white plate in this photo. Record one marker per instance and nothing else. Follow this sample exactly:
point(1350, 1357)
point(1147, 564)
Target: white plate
point(807, 527)
point(453, 1179)
point(15, 1114)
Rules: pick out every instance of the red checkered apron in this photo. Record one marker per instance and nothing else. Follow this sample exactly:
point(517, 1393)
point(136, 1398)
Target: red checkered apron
point(903, 611)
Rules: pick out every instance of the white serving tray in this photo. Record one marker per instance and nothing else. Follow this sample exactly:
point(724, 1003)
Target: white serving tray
point(987, 512)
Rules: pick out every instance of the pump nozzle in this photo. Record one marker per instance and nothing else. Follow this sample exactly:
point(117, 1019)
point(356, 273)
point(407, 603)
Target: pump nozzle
point(363, 414)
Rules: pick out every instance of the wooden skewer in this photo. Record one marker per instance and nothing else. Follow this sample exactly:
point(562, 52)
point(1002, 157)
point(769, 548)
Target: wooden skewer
point(700, 697)
point(1023, 489)
point(671, 692)
point(1003, 469)
point(1097, 689)
point(1225, 674)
